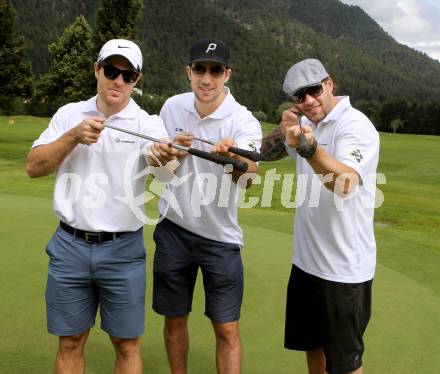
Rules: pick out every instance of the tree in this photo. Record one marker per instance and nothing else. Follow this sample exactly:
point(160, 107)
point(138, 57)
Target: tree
point(116, 19)
point(393, 109)
point(279, 111)
point(371, 108)
point(71, 77)
point(396, 124)
point(150, 103)
point(260, 116)
point(15, 75)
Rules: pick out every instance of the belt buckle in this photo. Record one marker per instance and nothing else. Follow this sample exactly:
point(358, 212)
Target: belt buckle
point(89, 235)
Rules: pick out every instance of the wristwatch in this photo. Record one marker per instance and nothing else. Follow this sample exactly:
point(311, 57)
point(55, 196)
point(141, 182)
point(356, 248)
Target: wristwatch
point(305, 150)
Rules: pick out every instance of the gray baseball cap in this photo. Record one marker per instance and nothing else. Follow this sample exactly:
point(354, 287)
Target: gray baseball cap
point(306, 73)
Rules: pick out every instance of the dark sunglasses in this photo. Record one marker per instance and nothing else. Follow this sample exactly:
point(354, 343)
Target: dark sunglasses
point(110, 72)
point(313, 91)
point(216, 71)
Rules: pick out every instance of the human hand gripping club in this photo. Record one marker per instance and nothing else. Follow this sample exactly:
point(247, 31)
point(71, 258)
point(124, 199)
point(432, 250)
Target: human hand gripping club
point(251, 155)
point(297, 135)
point(167, 154)
point(89, 130)
point(223, 147)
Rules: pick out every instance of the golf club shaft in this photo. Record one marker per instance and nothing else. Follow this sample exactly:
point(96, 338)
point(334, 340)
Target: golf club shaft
point(139, 135)
point(251, 155)
point(237, 165)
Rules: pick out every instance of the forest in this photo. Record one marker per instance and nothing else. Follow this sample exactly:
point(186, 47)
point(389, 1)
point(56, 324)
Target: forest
point(54, 44)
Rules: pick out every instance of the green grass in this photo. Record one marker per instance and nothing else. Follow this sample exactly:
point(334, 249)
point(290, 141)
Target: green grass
point(403, 335)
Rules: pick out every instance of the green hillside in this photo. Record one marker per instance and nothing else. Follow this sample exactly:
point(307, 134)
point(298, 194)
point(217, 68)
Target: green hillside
point(384, 79)
point(266, 38)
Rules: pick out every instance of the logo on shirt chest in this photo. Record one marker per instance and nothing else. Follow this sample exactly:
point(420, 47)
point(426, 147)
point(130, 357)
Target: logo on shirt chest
point(118, 140)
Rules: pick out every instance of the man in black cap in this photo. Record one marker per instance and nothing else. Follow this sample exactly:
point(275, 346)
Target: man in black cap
point(329, 293)
point(205, 233)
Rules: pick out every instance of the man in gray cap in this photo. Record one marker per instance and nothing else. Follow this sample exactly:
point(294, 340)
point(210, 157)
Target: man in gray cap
point(97, 254)
point(334, 256)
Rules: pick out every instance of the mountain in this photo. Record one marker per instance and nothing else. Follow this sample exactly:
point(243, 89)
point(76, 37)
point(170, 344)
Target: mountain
point(266, 38)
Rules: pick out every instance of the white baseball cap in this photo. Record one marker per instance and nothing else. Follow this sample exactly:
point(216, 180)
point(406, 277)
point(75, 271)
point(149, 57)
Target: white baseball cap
point(124, 48)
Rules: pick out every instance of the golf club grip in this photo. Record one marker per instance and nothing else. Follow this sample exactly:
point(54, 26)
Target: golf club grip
point(251, 155)
point(237, 165)
point(303, 145)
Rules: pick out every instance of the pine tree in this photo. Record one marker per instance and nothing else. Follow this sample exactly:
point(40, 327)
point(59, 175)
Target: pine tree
point(71, 77)
point(116, 19)
point(15, 75)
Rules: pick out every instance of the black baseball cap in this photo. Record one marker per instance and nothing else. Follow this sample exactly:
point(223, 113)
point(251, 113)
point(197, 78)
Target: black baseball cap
point(209, 49)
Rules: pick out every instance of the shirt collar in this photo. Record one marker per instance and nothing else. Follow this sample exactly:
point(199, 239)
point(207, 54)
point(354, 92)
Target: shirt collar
point(130, 111)
point(224, 110)
point(90, 106)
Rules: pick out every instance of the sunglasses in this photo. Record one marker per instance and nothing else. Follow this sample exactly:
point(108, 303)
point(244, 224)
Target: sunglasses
point(216, 71)
point(110, 72)
point(299, 96)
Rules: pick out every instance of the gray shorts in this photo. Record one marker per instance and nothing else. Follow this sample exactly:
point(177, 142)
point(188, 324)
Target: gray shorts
point(179, 254)
point(82, 276)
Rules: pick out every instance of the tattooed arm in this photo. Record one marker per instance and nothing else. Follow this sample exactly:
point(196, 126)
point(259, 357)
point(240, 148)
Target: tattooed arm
point(272, 146)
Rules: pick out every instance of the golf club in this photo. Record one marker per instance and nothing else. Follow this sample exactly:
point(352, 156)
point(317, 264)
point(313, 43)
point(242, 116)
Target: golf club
point(251, 155)
point(222, 160)
point(303, 145)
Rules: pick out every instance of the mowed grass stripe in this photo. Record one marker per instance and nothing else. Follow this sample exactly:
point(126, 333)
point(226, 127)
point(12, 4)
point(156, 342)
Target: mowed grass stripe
point(267, 265)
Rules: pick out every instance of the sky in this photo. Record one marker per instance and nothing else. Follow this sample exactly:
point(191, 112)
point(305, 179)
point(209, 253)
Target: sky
point(415, 23)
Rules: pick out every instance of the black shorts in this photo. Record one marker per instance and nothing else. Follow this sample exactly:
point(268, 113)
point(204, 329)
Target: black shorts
point(179, 255)
point(331, 315)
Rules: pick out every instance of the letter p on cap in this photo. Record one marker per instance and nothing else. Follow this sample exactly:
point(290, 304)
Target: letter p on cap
point(211, 47)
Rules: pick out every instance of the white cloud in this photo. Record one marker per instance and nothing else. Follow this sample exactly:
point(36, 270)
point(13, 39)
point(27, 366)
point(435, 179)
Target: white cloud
point(411, 22)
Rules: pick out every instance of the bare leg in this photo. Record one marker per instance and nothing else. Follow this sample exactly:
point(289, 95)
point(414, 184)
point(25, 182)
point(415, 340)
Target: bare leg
point(177, 343)
point(128, 355)
point(316, 361)
point(357, 371)
point(70, 355)
point(228, 353)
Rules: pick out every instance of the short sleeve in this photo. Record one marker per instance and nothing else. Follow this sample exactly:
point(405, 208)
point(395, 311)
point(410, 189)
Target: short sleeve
point(248, 131)
point(57, 127)
point(357, 145)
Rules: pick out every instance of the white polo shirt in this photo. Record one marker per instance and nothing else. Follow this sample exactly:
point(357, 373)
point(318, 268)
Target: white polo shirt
point(96, 185)
point(207, 199)
point(334, 238)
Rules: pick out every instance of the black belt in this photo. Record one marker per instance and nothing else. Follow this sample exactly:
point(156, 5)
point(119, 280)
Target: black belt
point(91, 237)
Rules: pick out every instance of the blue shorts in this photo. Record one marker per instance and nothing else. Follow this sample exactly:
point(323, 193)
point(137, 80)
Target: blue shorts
point(82, 276)
point(179, 254)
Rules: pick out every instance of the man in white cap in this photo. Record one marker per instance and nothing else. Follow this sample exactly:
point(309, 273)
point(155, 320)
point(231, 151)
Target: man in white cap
point(334, 249)
point(97, 254)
